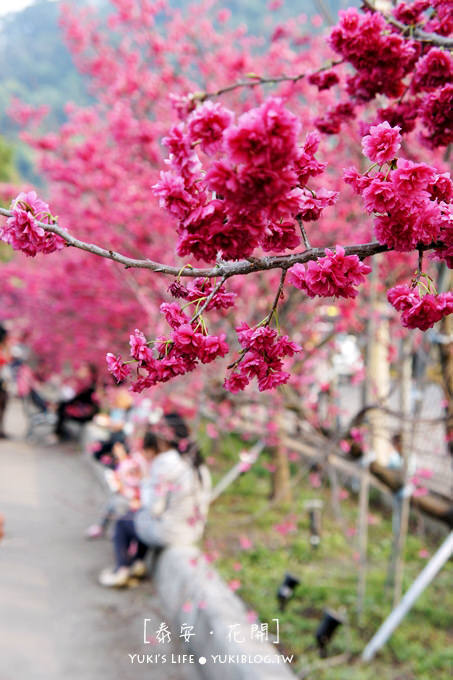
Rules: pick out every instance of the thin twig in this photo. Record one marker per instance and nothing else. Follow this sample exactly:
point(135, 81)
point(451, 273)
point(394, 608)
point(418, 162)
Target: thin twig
point(303, 232)
point(258, 80)
point(277, 297)
point(210, 297)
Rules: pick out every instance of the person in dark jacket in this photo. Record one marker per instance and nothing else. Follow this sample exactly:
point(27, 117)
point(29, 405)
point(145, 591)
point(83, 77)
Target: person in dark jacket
point(82, 407)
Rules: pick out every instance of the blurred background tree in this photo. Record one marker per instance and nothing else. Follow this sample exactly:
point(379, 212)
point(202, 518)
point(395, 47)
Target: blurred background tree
point(37, 67)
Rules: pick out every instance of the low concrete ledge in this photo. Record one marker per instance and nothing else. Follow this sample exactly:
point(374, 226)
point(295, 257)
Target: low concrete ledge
point(183, 576)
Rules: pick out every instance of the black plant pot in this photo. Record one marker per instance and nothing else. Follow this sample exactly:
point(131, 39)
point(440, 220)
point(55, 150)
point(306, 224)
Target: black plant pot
point(286, 590)
point(326, 629)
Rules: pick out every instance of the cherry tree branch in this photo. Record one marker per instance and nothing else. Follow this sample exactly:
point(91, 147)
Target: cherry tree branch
point(414, 32)
point(221, 268)
point(259, 80)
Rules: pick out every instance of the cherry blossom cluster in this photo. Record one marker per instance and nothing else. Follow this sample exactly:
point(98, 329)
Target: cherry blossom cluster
point(262, 354)
point(439, 21)
point(412, 202)
point(418, 75)
point(420, 309)
point(236, 185)
point(381, 57)
point(330, 123)
point(199, 290)
point(263, 351)
point(233, 183)
point(336, 275)
point(22, 230)
point(161, 360)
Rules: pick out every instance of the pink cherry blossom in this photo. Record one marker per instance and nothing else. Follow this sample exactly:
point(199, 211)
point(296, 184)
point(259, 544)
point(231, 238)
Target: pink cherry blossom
point(383, 143)
point(236, 382)
point(173, 195)
point(336, 274)
point(263, 136)
point(207, 125)
point(410, 178)
point(174, 316)
point(212, 346)
point(22, 230)
point(139, 347)
point(433, 70)
point(420, 311)
point(286, 527)
point(117, 367)
point(245, 542)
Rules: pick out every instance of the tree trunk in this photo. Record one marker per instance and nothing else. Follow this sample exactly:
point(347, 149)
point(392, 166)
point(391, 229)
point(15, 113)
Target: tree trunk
point(378, 378)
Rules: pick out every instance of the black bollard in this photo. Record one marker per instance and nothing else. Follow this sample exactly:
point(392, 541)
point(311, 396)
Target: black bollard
point(286, 590)
point(326, 629)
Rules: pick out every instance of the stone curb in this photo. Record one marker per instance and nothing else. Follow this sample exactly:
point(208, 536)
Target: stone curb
point(182, 576)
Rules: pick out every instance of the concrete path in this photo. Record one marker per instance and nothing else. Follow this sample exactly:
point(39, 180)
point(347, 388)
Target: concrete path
point(56, 622)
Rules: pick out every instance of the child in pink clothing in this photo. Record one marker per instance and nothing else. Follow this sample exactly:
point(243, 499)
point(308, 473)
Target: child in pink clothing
point(128, 476)
point(124, 484)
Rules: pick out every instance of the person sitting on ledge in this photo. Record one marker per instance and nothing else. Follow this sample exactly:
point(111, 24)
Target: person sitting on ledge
point(174, 500)
point(83, 406)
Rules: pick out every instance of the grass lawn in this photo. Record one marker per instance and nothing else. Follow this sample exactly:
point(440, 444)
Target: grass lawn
point(420, 649)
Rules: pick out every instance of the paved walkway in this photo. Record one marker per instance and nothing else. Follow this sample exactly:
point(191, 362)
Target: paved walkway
point(55, 621)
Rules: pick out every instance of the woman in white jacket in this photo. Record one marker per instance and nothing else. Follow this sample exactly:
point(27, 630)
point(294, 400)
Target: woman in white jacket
point(174, 501)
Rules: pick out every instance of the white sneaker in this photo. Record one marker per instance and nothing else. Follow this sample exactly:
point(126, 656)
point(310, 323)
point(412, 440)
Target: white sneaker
point(138, 569)
point(114, 579)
